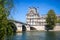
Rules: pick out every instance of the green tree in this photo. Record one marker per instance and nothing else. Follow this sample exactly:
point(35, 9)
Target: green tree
point(51, 20)
point(5, 7)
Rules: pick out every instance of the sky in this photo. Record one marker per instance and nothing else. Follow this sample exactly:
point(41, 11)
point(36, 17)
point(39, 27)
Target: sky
point(21, 8)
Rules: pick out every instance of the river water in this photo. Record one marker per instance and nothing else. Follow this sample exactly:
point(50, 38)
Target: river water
point(35, 35)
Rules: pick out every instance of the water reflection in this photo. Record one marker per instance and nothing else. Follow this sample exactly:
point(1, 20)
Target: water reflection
point(24, 36)
point(8, 37)
point(35, 36)
point(50, 36)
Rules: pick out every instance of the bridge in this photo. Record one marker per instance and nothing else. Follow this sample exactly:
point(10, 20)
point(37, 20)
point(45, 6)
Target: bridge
point(20, 26)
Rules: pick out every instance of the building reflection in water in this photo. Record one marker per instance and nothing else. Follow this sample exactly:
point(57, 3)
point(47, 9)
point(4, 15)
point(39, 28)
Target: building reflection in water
point(24, 35)
point(50, 36)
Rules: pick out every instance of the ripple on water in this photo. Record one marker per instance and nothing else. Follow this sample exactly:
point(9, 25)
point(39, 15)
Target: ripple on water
point(36, 36)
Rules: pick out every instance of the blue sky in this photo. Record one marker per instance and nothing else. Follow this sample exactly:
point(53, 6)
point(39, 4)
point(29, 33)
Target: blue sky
point(43, 6)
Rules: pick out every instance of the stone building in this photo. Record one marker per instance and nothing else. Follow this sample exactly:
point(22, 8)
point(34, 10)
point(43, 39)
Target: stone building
point(36, 21)
point(33, 19)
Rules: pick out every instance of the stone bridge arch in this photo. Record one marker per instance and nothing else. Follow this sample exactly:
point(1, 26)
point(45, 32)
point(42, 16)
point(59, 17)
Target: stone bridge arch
point(19, 26)
point(24, 28)
point(13, 26)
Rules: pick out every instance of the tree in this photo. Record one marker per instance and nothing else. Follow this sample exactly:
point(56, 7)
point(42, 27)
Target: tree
point(51, 20)
point(5, 7)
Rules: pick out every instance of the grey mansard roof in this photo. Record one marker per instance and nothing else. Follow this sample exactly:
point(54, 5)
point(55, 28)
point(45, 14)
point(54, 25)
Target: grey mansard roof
point(34, 11)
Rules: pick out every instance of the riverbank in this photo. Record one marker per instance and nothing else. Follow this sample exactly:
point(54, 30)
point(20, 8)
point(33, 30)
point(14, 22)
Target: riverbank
point(38, 31)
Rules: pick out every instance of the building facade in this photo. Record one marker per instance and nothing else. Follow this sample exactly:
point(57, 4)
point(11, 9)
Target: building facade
point(36, 21)
point(33, 18)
